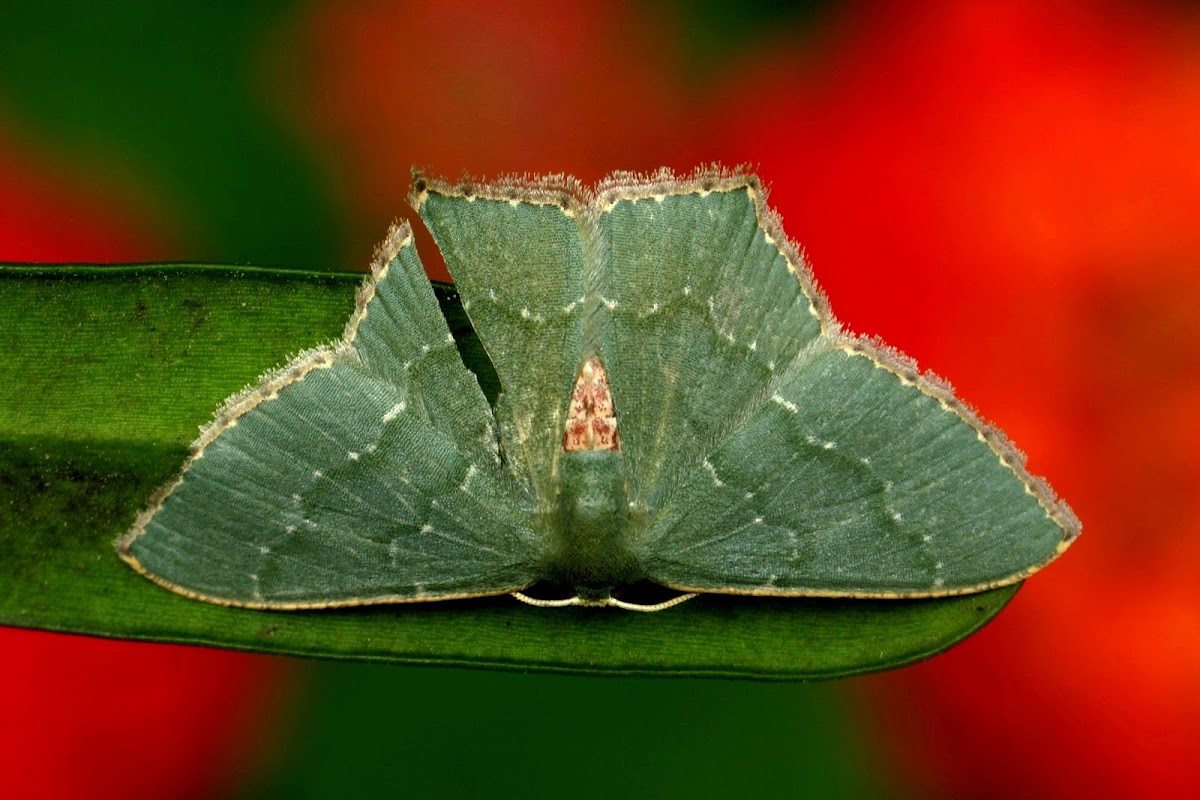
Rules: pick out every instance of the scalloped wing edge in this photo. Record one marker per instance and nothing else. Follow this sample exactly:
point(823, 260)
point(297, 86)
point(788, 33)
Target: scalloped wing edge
point(905, 369)
point(267, 388)
point(576, 199)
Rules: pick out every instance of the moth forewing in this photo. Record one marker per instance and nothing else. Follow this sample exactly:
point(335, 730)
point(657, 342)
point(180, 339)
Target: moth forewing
point(677, 402)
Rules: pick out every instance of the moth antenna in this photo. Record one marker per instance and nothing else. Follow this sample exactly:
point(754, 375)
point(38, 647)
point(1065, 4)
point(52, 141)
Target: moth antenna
point(674, 601)
point(608, 601)
point(533, 601)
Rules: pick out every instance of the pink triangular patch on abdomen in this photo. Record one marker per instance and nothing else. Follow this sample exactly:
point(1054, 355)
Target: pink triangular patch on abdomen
point(591, 418)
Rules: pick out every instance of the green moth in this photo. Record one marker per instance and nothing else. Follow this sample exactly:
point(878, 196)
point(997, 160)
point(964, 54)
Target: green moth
point(678, 404)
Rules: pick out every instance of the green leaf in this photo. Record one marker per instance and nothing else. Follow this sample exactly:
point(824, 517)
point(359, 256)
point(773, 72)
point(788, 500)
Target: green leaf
point(109, 373)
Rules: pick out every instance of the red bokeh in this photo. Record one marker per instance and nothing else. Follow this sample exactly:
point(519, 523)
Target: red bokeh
point(533, 87)
point(88, 717)
point(1006, 190)
point(1009, 192)
point(97, 718)
point(54, 213)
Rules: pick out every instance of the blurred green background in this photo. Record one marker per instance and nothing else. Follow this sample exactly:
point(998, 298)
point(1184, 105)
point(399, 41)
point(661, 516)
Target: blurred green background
point(1007, 191)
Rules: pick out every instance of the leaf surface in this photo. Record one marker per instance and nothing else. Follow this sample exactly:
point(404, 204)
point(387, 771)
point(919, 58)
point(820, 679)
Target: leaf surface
point(111, 370)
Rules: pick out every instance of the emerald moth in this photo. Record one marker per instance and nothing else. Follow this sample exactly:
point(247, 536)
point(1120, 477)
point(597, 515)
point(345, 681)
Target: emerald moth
point(678, 405)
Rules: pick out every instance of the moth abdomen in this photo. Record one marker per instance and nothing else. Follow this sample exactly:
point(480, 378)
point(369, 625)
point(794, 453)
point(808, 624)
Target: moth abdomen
point(590, 525)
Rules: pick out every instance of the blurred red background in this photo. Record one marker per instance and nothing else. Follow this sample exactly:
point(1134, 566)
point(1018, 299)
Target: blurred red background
point(1009, 192)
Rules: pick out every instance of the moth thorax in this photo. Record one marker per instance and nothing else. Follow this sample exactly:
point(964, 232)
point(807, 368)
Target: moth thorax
point(591, 418)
